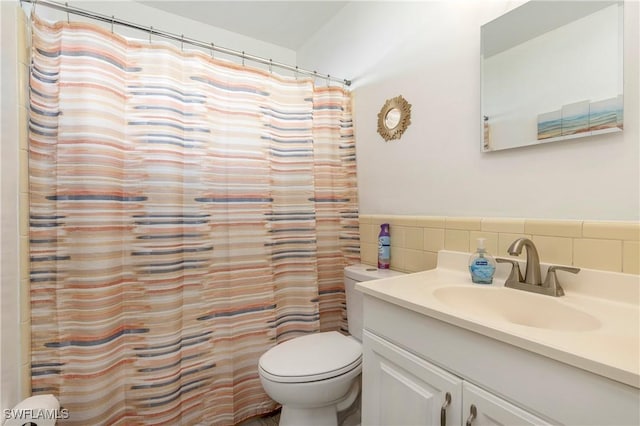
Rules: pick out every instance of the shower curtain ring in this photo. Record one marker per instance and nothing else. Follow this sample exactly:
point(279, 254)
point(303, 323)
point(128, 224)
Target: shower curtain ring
point(213, 47)
point(182, 42)
point(150, 32)
point(270, 66)
point(113, 18)
point(243, 58)
point(328, 80)
point(296, 74)
point(66, 5)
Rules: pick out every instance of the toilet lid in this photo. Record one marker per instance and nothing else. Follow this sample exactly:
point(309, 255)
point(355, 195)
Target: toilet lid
point(310, 358)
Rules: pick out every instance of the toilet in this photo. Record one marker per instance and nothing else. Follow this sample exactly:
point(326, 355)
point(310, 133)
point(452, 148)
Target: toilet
point(317, 376)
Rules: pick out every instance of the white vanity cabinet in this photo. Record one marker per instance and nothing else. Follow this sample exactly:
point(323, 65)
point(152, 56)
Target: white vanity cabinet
point(403, 389)
point(412, 360)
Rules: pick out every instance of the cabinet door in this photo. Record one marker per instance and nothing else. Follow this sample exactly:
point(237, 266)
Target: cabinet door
point(400, 389)
point(491, 410)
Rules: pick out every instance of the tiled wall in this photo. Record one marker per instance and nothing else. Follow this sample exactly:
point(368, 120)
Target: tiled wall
point(415, 240)
point(25, 305)
point(16, 325)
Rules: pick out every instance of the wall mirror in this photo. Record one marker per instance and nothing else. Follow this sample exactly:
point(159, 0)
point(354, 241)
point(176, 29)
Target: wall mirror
point(394, 118)
point(551, 71)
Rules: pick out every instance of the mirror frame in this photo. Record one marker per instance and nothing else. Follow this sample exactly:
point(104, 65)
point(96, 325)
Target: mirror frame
point(404, 108)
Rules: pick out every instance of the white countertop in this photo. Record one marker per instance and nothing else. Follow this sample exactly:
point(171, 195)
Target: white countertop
point(611, 350)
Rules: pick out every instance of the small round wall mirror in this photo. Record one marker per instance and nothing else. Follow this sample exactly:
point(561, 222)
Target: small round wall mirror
point(394, 118)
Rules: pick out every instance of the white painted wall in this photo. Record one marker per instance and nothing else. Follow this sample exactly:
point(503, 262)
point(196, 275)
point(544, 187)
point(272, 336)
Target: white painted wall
point(429, 52)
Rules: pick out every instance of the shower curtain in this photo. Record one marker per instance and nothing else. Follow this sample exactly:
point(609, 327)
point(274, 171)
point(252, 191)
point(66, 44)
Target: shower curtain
point(186, 214)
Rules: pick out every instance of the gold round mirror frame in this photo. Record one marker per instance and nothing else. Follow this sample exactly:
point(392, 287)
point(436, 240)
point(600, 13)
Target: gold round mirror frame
point(399, 107)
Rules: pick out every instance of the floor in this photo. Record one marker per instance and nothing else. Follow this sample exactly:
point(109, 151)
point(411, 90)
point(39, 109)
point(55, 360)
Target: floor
point(350, 417)
point(266, 420)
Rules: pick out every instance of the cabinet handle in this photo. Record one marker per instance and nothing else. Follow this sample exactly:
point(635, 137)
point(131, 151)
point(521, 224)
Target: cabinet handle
point(443, 410)
point(473, 414)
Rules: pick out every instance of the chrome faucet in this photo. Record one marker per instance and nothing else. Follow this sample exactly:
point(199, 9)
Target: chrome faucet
point(532, 280)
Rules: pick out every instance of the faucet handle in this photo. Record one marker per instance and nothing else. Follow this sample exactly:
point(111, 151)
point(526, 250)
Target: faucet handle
point(515, 275)
point(552, 280)
point(571, 269)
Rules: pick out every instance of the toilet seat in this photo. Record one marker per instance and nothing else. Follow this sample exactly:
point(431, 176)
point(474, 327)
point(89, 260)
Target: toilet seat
point(311, 358)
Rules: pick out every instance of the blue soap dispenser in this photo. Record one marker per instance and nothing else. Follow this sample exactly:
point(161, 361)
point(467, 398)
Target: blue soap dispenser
point(482, 265)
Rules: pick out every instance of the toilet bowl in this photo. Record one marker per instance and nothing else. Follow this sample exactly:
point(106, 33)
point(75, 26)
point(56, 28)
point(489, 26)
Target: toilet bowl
point(317, 376)
point(311, 375)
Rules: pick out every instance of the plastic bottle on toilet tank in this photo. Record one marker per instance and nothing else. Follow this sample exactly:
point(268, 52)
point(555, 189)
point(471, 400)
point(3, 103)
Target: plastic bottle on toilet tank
point(384, 247)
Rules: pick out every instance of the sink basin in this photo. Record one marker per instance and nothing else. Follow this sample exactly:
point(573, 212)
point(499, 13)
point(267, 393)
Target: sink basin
point(516, 307)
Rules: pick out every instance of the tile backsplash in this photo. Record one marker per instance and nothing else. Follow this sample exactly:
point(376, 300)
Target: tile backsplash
point(415, 240)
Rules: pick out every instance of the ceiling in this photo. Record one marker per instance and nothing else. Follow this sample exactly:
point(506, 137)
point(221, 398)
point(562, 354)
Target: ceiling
point(284, 23)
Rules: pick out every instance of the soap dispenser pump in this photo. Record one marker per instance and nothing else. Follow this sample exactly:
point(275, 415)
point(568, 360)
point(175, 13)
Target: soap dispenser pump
point(482, 265)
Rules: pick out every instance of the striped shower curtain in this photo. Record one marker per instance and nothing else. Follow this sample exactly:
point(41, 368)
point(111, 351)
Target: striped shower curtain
point(186, 214)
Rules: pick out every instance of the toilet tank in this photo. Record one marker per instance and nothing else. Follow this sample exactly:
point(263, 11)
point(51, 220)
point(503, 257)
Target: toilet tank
point(354, 274)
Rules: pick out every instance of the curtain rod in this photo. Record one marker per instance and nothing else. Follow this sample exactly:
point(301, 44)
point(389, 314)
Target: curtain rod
point(182, 39)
